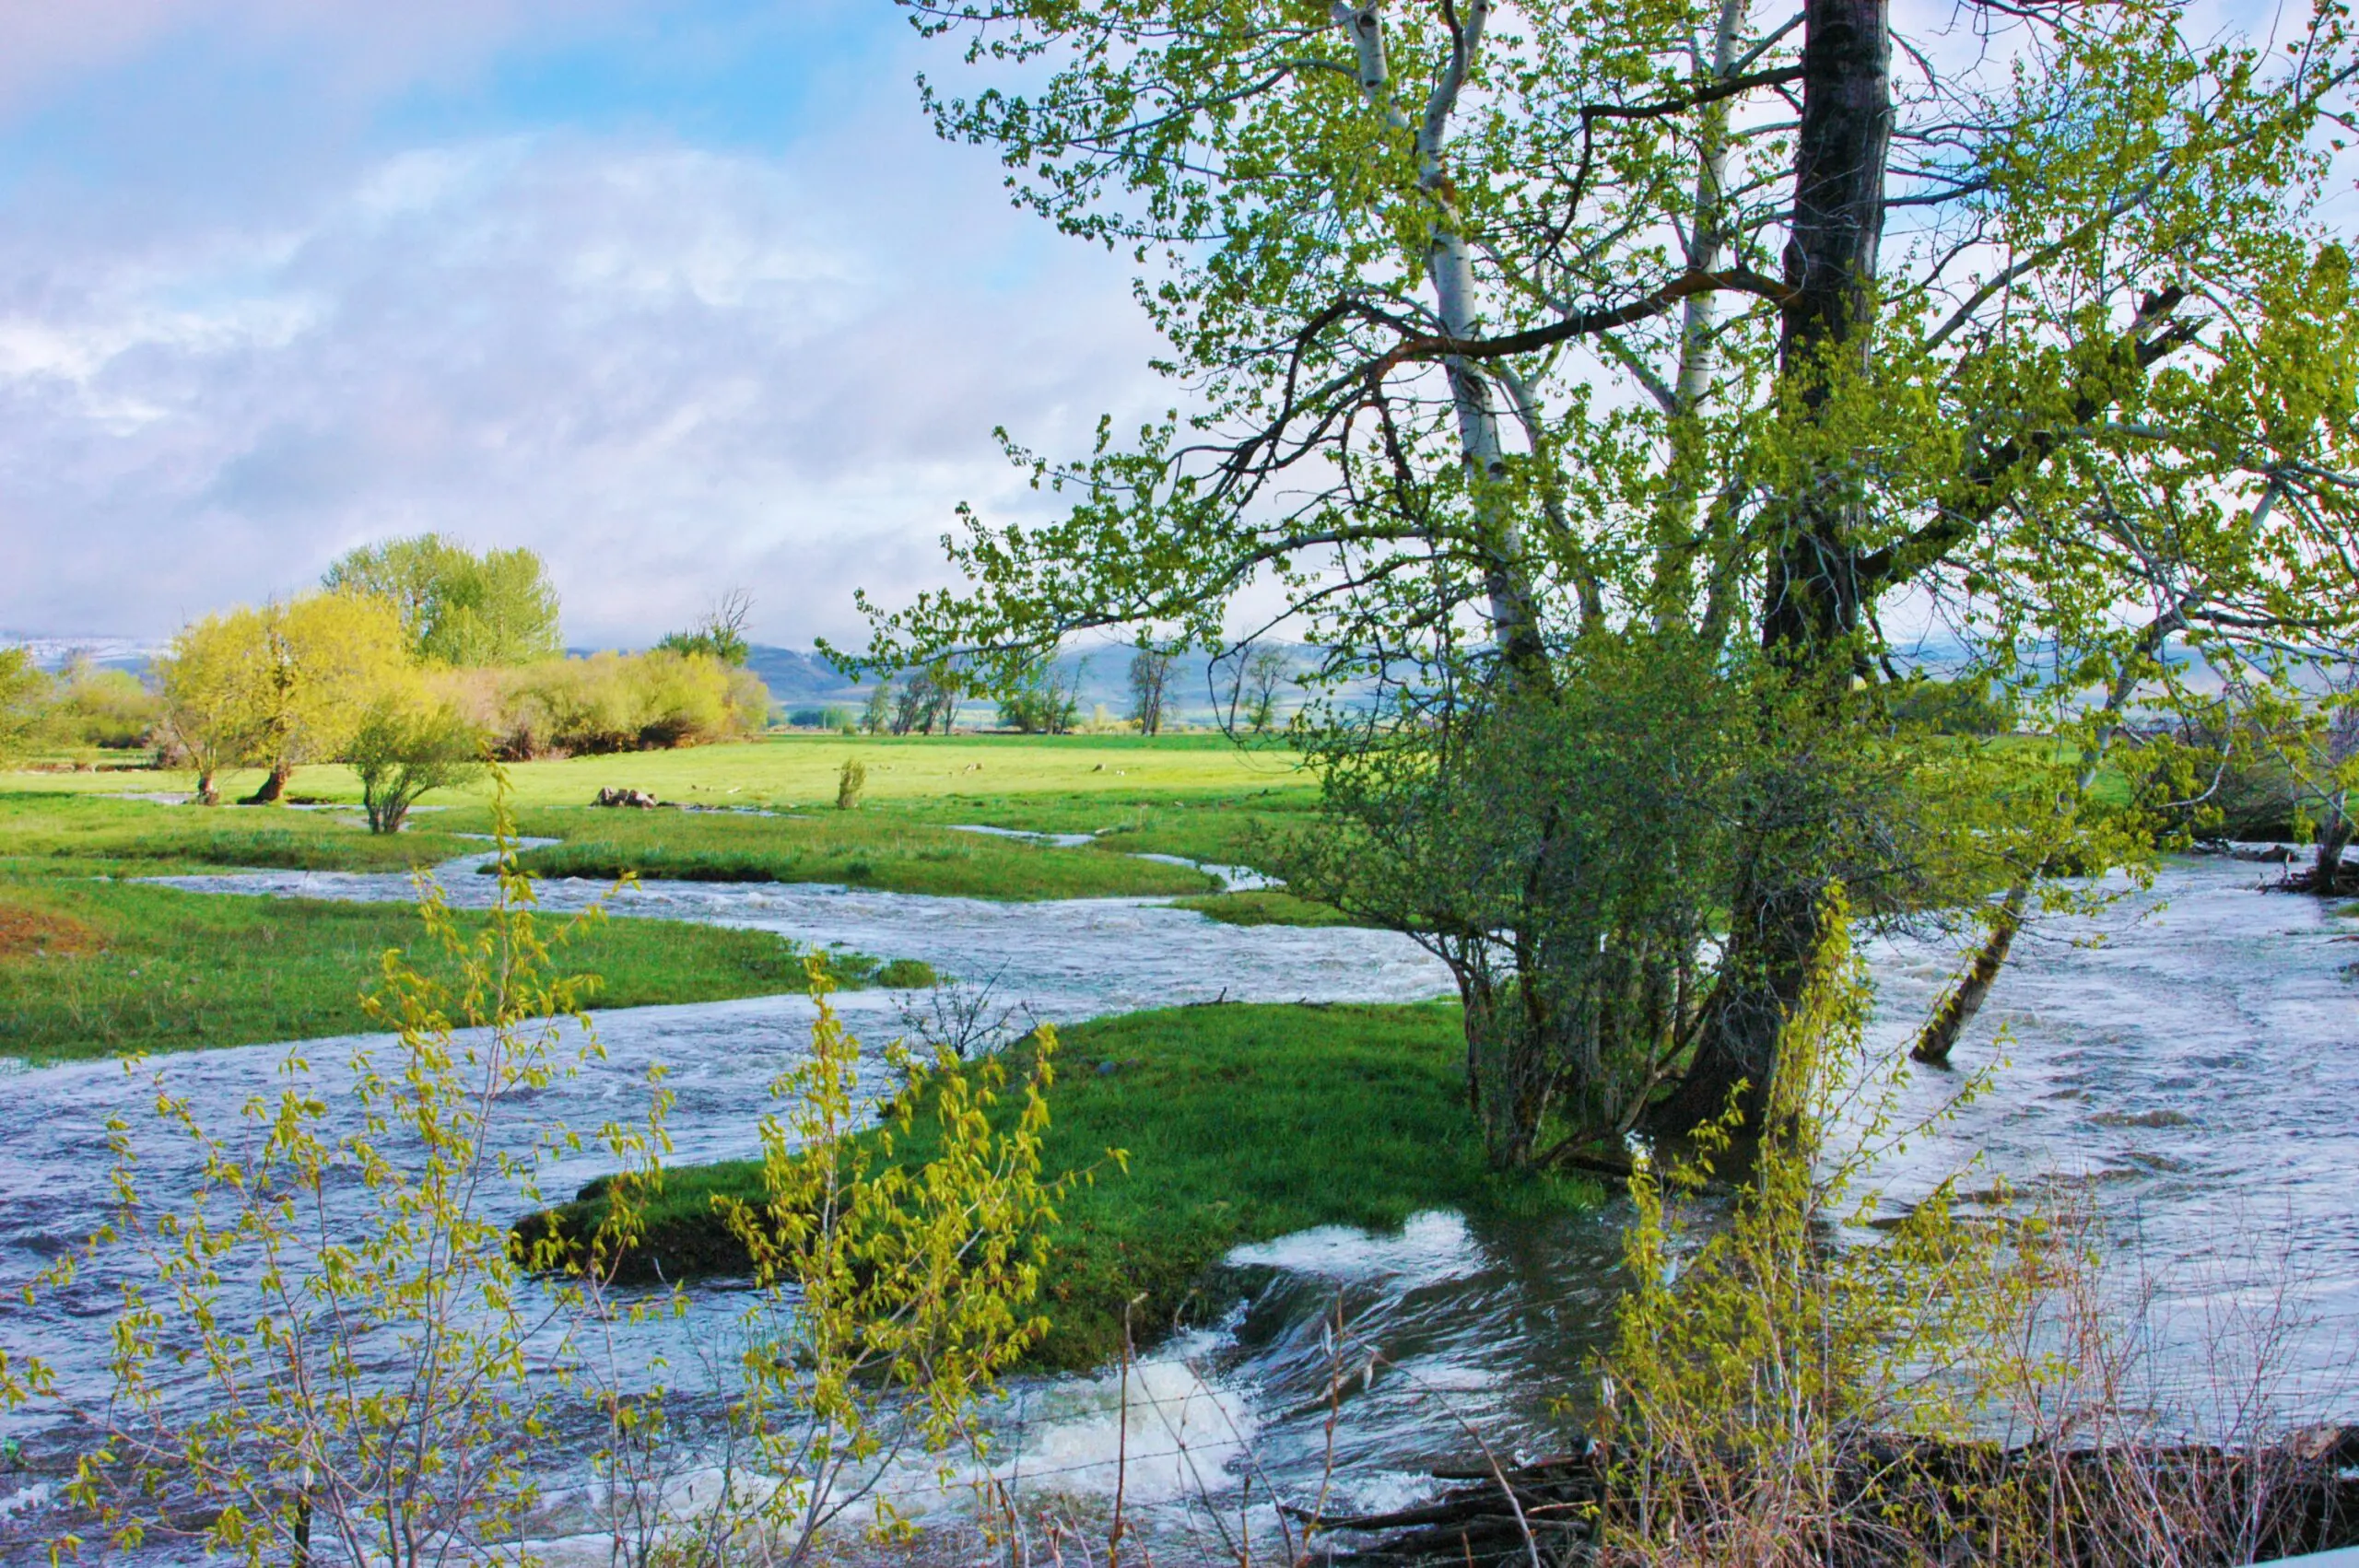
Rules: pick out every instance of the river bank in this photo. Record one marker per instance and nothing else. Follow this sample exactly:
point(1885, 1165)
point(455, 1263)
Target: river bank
point(1203, 1130)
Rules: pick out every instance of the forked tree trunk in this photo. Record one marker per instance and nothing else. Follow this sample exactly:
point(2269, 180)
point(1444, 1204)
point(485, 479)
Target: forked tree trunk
point(1812, 606)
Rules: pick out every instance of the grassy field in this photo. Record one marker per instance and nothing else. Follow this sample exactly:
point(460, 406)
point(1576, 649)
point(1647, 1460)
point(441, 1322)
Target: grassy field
point(1194, 796)
point(104, 970)
point(1240, 1123)
point(904, 847)
point(800, 770)
point(54, 833)
point(94, 968)
point(879, 848)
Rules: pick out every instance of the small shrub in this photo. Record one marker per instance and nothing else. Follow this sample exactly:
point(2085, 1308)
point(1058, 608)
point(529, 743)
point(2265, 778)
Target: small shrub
point(21, 686)
point(907, 1265)
point(1750, 1365)
point(402, 751)
point(1963, 1388)
point(850, 781)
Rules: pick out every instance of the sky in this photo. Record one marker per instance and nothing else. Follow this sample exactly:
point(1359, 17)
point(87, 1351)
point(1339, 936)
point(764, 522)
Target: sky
point(682, 294)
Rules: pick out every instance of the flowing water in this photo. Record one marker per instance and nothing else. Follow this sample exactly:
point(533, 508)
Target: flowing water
point(2190, 1056)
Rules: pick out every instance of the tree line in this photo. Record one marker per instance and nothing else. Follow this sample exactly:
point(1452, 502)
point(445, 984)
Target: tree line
point(1034, 698)
point(413, 662)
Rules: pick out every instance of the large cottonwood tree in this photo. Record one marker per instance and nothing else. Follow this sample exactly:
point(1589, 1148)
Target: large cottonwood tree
point(1772, 327)
point(457, 606)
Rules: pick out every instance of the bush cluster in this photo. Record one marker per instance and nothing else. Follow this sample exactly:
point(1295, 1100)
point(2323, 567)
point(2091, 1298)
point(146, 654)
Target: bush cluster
point(610, 702)
point(83, 706)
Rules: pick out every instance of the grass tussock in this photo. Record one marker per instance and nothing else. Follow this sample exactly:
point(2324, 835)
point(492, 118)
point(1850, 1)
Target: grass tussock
point(1268, 907)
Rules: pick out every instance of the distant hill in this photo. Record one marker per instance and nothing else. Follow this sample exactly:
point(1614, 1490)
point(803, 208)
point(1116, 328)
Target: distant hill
point(801, 680)
point(106, 652)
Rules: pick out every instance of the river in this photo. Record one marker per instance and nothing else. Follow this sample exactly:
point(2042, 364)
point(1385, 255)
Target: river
point(2189, 1056)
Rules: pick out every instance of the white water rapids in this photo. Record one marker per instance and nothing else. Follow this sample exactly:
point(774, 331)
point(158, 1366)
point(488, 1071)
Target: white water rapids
point(2198, 1067)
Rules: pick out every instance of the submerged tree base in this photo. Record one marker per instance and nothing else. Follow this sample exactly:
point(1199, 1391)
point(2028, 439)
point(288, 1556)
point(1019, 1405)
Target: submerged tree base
point(1238, 1124)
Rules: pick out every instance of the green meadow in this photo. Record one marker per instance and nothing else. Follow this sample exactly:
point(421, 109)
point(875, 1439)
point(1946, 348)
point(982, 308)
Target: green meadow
point(1237, 1123)
point(800, 771)
point(109, 969)
point(97, 964)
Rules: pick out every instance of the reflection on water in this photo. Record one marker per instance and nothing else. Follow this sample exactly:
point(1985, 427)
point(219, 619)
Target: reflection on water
point(2193, 1055)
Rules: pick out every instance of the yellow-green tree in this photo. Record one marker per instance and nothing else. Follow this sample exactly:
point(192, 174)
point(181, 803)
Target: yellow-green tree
point(210, 701)
point(280, 685)
point(1513, 330)
point(405, 747)
point(327, 657)
point(461, 608)
point(21, 687)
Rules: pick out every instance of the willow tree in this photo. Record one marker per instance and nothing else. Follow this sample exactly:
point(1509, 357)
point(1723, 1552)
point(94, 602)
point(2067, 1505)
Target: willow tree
point(279, 686)
point(1774, 330)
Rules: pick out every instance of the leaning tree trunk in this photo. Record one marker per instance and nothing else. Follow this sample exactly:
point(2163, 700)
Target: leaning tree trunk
point(1810, 600)
point(1965, 999)
point(274, 785)
point(2326, 876)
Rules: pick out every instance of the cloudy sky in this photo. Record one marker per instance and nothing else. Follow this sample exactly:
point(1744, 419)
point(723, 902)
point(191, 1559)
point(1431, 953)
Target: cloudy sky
point(681, 293)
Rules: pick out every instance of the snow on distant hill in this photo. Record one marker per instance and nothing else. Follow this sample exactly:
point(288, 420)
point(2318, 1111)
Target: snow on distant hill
point(52, 652)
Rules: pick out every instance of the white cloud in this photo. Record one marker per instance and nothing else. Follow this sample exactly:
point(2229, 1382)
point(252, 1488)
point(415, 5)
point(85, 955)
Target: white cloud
point(671, 370)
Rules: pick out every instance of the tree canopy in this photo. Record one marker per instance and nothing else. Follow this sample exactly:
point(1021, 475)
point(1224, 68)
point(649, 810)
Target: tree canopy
point(1561, 314)
point(458, 607)
point(279, 685)
point(1747, 328)
point(22, 688)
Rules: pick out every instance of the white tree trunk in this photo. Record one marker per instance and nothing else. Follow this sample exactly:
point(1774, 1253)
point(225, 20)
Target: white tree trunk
point(1513, 608)
point(1706, 250)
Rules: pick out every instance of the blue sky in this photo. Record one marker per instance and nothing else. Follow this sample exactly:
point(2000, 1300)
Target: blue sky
point(684, 296)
